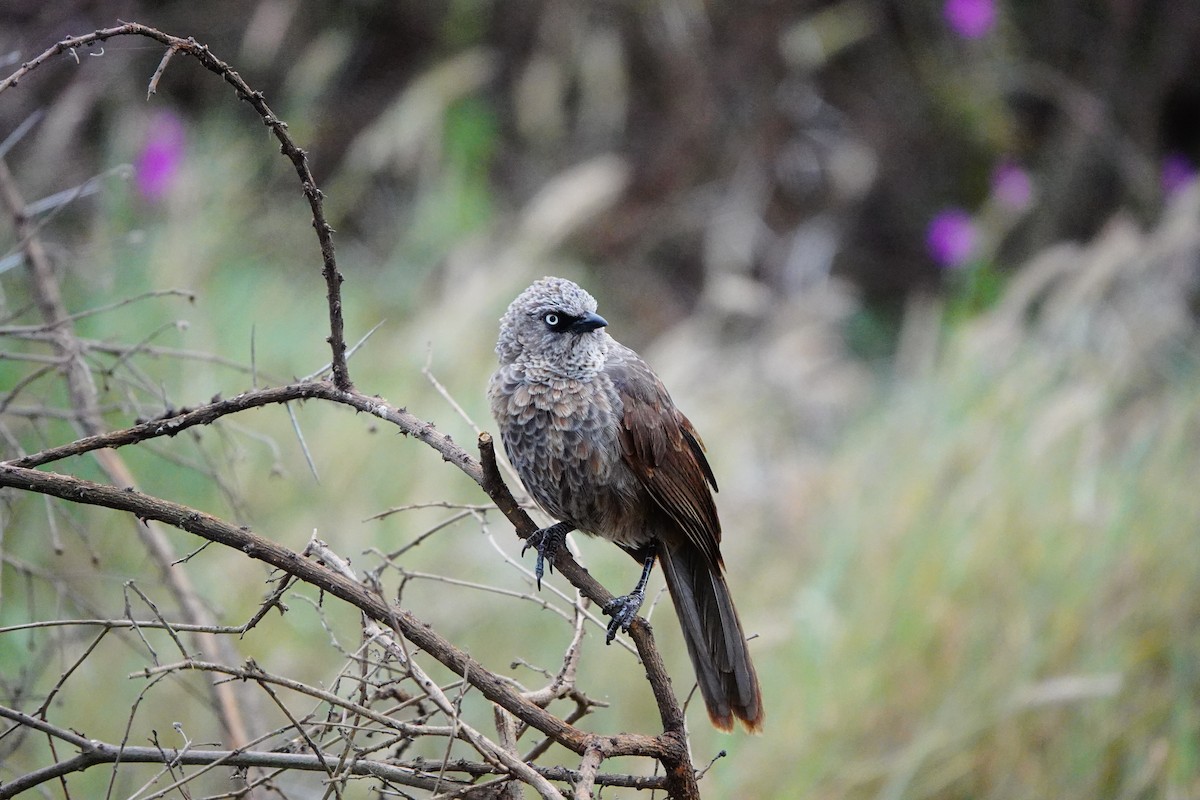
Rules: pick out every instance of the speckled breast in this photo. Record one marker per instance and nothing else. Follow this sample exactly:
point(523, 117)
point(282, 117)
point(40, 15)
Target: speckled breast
point(561, 436)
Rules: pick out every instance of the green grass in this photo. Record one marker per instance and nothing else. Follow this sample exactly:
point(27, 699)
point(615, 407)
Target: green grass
point(996, 597)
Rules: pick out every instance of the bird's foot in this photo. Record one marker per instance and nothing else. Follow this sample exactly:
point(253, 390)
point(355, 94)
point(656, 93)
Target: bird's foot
point(546, 541)
point(623, 610)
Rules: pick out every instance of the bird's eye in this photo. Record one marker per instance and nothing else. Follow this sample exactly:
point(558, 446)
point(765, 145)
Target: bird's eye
point(558, 321)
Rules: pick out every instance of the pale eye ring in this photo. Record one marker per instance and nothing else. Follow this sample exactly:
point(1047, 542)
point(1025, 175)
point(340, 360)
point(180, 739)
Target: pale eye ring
point(551, 319)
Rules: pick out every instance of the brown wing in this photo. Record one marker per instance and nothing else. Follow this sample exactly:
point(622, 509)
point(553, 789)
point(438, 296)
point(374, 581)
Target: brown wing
point(661, 447)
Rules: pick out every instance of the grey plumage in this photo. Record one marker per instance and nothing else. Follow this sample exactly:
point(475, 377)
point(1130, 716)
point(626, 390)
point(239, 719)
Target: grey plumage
point(599, 445)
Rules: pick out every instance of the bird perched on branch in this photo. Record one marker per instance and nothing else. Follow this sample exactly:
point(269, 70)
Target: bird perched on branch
point(600, 446)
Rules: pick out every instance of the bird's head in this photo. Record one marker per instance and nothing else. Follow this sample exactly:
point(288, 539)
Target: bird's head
point(552, 329)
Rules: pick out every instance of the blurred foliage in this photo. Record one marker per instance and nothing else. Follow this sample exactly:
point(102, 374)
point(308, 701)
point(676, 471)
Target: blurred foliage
point(959, 501)
point(780, 142)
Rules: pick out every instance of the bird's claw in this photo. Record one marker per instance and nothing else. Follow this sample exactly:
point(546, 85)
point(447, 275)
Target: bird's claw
point(546, 542)
point(623, 611)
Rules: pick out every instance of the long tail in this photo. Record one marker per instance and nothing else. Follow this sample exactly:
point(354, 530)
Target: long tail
point(714, 638)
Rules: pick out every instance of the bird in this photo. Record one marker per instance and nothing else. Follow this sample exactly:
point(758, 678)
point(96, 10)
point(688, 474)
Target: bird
point(601, 447)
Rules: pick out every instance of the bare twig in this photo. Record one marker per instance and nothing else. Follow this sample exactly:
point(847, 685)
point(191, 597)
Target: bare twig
point(308, 459)
point(91, 312)
point(152, 89)
point(117, 624)
point(427, 371)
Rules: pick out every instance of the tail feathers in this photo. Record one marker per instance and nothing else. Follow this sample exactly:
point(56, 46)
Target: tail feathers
point(714, 638)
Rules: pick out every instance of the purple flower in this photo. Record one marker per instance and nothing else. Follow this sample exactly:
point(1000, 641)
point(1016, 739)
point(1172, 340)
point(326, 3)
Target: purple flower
point(1177, 172)
point(157, 163)
point(970, 19)
point(950, 237)
point(1011, 186)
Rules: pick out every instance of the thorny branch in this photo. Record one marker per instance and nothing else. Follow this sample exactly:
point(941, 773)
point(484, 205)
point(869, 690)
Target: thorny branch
point(669, 748)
